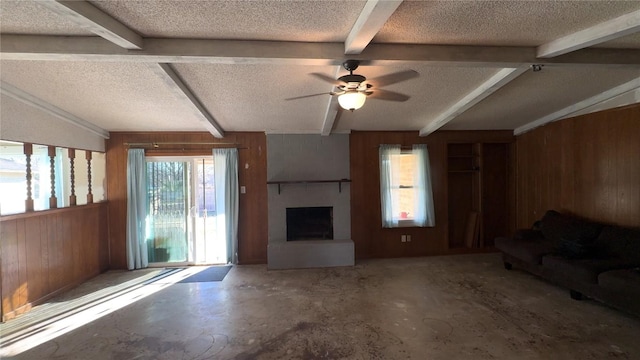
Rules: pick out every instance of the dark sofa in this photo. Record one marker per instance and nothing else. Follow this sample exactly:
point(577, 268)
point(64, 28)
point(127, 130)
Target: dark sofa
point(590, 259)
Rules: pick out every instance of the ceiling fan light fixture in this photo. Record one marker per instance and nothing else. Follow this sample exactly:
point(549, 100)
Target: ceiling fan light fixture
point(352, 100)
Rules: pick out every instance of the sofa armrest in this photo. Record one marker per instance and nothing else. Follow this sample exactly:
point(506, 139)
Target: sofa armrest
point(528, 235)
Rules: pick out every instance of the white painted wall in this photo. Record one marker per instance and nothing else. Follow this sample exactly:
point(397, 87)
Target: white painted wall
point(308, 157)
point(20, 122)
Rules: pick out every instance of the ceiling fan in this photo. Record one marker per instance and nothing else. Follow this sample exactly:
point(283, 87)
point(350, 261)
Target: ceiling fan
point(353, 89)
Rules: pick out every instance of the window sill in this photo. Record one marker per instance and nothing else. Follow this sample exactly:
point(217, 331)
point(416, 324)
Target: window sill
point(406, 224)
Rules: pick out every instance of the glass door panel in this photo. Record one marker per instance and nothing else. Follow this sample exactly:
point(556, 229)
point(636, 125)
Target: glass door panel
point(208, 250)
point(169, 201)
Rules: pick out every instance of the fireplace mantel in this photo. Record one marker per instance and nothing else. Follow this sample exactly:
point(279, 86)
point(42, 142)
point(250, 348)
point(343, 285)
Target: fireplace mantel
point(287, 182)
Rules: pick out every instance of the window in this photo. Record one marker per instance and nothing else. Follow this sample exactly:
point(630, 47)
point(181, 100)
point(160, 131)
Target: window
point(405, 186)
point(13, 178)
point(43, 160)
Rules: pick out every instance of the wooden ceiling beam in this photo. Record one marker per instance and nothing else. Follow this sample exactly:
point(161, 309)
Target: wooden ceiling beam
point(372, 18)
point(182, 90)
point(612, 29)
point(97, 21)
point(581, 105)
point(36, 47)
point(500, 79)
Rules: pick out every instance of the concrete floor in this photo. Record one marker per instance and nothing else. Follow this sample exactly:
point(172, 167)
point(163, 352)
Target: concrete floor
point(448, 307)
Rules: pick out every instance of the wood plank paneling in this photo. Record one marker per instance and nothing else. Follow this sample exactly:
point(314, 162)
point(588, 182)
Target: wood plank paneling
point(252, 173)
point(33, 255)
point(10, 266)
point(370, 239)
point(46, 252)
point(495, 192)
point(587, 165)
point(461, 194)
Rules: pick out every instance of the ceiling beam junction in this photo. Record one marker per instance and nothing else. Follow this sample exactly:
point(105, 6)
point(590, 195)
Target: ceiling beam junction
point(97, 21)
point(485, 89)
point(182, 90)
point(372, 18)
point(581, 105)
point(35, 102)
point(612, 29)
point(77, 48)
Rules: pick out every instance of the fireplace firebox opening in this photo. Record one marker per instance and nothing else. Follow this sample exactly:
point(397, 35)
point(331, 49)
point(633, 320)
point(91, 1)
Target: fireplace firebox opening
point(310, 223)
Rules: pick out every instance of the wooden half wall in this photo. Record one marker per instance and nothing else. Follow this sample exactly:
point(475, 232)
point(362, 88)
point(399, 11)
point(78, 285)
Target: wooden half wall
point(587, 165)
point(252, 173)
point(47, 252)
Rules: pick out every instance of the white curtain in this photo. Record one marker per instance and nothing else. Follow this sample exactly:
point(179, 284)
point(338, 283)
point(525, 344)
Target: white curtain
point(137, 253)
point(225, 162)
point(424, 215)
point(386, 195)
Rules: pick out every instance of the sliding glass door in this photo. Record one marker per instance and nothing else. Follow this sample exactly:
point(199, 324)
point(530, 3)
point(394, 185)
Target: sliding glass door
point(181, 212)
point(210, 247)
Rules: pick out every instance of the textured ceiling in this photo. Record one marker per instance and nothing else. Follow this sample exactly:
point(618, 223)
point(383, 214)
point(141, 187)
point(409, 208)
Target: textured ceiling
point(126, 91)
point(114, 96)
point(29, 17)
point(251, 97)
point(536, 94)
point(625, 42)
point(326, 21)
point(432, 93)
point(500, 23)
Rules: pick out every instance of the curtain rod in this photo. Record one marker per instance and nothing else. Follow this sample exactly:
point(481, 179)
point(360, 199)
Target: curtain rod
point(156, 144)
point(402, 146)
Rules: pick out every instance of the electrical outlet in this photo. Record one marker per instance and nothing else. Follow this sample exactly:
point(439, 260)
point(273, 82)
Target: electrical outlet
point(403, 238)
point(408, 238)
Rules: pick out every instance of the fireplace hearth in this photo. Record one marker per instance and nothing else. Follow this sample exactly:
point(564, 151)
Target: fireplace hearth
point(310, 223)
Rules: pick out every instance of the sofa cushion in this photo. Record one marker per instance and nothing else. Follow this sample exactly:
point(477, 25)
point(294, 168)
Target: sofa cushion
point(582, 270)
point(620, 242)
point(625, 281)
point(527, 251)
point(573, 237)
point(528, 235)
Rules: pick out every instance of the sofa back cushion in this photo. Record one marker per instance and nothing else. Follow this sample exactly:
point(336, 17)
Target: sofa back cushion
point(572, 236)
point(620, 242)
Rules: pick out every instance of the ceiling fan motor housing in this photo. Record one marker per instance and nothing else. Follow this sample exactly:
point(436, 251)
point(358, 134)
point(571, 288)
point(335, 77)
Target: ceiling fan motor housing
point(351, 65)
point(352, 78)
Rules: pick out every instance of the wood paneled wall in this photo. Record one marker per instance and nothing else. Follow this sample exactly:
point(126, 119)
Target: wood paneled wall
point(587, 165)
point(252, 173)
point(46, 252)
point(370, 239)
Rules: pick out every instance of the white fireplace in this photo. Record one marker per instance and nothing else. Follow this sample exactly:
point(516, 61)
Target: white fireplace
point(297, 161)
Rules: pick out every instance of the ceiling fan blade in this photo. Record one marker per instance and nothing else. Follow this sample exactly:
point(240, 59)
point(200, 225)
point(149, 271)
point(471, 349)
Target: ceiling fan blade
point(387, 95)
point(393, 78)
point(306, 96)
point(328, 79)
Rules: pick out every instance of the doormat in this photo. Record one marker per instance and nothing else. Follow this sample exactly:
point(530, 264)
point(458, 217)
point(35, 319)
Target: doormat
point(213, 273)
